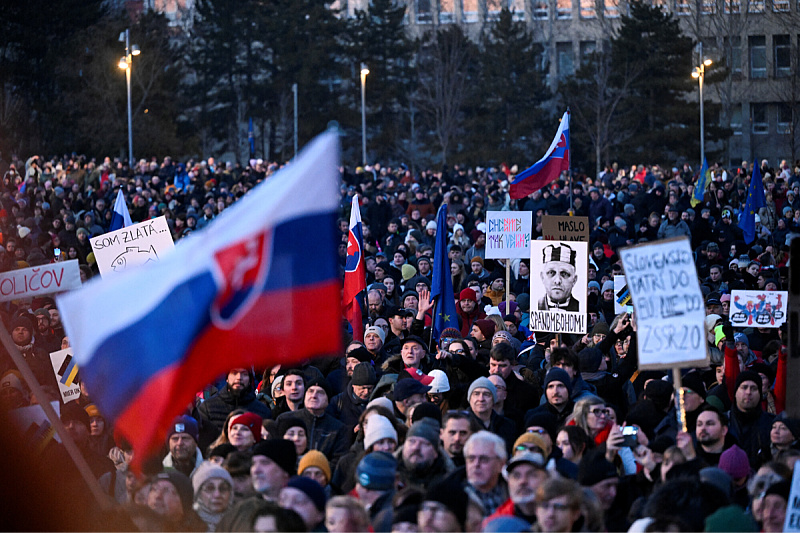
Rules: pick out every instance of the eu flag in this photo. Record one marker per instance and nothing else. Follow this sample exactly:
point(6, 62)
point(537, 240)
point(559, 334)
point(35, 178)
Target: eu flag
point(755, 201)
point(442, 286)
point(702, 184)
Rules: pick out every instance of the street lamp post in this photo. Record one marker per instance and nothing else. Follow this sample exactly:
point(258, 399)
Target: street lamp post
point(699, 74)
point(125, 64)
point(364, 72)
point(294, 92)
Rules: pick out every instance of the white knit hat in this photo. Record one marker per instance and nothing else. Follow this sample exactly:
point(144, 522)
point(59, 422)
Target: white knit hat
point(440, 382)
point(208, 470)
point(378, 427)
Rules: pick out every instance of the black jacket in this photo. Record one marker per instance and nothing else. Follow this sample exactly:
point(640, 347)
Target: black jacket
point(212, 413)
point(325, 434)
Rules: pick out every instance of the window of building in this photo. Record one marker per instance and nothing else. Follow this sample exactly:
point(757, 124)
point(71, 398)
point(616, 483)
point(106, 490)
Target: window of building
point(424, 12)
point(758, 117)
point(541, 9)
point(611, 9)
point(709, 7)
point(517, 8)
point(682, 7)
point(587, 49)
point(447, 11)
point(564, 9)
point(758, 56)
point(782, 55)
point(733, 54)
point(756, 6)
point(779, 6)
point(732, 6)
point(565, 60)
point(470, 10)
point(493, 8)
point(588, 9)
point(784, 118)
point(736, 119)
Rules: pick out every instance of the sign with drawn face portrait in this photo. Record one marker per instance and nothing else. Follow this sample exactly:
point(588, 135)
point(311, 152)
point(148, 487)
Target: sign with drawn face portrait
point(124, 249)
point(559, 286)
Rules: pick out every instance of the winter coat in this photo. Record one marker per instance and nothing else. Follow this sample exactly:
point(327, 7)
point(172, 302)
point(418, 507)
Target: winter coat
point(347, 408)
point(325, 434)
point(213, 412)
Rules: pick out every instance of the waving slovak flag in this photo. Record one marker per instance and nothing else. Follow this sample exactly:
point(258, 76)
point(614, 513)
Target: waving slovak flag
point(355, 273)
point(548, 168)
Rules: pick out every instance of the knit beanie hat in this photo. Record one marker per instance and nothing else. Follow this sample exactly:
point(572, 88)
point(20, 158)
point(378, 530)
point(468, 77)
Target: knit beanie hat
point(310, 488)
point(719, 335)
point(530, 438)
point(512, 308)
point(376, 471)
point(734, 462)
point(440, 382)
point(594, 284)
point(748, 375)
point(482, 383)
point(426, 429)
point(364, 374)
point(378, 427)
point(74, 413)
point(281, 451)
point(222, 450)
point(593, 469)
point(92, 410)
point(741, 337)
point(486, 326)
point(408, 272)
point(547, 421)
point(590, 359)
point(182, 485)
point(523, 301)
point(710, 322)
point(558, 374)
point(506, 336)
point(375, 330)
point(792, 423)
point(781, 488)
point(208, 470)
point(451, 494)
point(450, 333)
point(608, 286)
point(600, 328)
point(290, 421)
point(694, 382)
point(381, 401)
point(251, 420)
point(477, 259)
point(317, 459)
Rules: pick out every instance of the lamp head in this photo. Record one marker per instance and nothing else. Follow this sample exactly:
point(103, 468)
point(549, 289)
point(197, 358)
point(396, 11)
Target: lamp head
point(123, 63)
point(364, 69)
point(135, 50)
point(695, 74)
point(707, 62)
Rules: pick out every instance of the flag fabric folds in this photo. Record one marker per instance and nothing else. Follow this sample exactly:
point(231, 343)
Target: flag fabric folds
point(548, 168)
point(442, 286)
point(755, 201)
point(240, 293)
point(702, 184)
point(355, 273)
point(120, 218)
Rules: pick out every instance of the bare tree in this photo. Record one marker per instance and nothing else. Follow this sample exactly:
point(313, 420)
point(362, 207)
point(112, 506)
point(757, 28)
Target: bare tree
point(443, 65)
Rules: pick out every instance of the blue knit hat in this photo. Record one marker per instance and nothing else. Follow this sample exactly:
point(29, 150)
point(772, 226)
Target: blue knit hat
point(376, 471)
point(310, 488)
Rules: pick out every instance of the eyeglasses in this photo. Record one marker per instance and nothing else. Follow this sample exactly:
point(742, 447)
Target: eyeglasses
point(539, 431)
point(459, 351)
point(600, 412)
point(526, 448)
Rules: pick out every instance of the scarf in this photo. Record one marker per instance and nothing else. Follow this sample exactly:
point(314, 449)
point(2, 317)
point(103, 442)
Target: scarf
point(211, 519)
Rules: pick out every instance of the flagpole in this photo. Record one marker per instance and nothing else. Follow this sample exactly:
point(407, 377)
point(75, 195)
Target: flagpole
point(569, 172)
point(55, 421)
point(433, 317)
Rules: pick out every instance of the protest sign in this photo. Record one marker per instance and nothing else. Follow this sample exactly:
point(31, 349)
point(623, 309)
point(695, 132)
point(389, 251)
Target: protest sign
point(508, 234)
point(558, 286)
point(792, 520)
point(557, 228)
point(39, 280)
point(669, 306)
point(66, 371)
point(760, 309)
point(132, 246)
point(622, 296)
point(34, 426)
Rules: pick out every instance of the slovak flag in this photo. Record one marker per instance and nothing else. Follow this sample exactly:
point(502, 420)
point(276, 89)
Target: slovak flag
point(120, 218)
point(355, 273)
point(238, 294)
point(548, 168)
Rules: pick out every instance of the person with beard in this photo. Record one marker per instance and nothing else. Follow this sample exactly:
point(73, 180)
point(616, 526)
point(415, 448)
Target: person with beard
point(748, 422)
point(238, 393)
point(421, 460)
point(557, 393)
point(45, 335)
point(347, 406)
point(712, 435)
point(184, 455)
point(22, 333)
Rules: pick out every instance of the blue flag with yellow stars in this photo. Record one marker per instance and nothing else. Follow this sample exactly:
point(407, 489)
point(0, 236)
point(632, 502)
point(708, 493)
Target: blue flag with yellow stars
point(442, 286)
point(755, 201)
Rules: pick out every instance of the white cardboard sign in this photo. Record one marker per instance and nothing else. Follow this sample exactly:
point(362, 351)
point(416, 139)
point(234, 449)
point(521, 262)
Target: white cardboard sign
point(126, 248)
point(668, 303)
point(508, 234)
point(758, 309)
point(39, 280)
point(65, 368)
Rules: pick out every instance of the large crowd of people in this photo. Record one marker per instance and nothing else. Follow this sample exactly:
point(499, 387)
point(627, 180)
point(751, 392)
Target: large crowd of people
point(491, 426)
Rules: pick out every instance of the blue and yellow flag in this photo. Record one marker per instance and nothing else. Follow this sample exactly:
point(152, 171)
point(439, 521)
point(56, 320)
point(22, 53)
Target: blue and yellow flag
point(442, 286)
point(755, 201)
point(702, 184)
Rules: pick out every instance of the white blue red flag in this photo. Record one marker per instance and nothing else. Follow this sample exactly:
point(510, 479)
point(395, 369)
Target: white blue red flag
point(355, 273)
point(242, 292)
point(120, 218)
point(548, 168)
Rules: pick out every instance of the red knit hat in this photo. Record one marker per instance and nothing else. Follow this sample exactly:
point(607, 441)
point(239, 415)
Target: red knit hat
point(468, 294)
point(251, 420)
